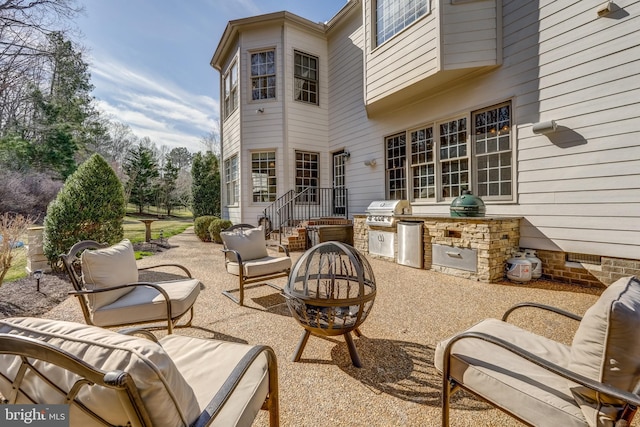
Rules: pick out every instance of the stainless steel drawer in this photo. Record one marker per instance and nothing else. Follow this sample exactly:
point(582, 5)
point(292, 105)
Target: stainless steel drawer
point(459, 258)
point(382, 243)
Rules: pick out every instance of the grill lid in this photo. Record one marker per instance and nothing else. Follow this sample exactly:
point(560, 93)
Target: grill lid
point(388, 207)
point(382, 212)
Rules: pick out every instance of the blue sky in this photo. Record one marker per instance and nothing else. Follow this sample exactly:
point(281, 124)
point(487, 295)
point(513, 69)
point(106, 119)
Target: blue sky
point(149, 60)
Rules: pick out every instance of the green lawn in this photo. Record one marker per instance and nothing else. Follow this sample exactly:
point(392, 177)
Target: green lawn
point(134, 230)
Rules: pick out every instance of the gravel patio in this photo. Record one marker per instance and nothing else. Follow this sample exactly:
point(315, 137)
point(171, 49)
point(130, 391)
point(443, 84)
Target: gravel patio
point(413, 311)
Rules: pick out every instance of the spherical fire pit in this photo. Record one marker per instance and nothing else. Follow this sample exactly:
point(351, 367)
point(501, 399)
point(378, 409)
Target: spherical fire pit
point(331, 290)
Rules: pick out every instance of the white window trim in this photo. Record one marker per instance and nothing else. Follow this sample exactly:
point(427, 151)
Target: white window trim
point(275, 169)
point(316, 81)
point(232, 181)
point(275, 74)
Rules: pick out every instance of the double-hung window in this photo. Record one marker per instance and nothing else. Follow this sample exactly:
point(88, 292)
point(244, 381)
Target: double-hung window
point(454, 157)
point(231, 180)
point(392, 16)
point(263, 176)
point(263, 75)
point(305, 72)
point(307, 176)
point(396, 157)
point(231, 90)
point(493, 151)
point(423, 166)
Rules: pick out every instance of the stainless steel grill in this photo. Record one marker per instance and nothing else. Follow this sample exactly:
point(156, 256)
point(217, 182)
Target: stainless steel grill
point(382, 213)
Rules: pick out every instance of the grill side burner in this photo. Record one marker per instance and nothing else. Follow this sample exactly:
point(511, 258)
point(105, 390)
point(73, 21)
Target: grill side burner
point(382, 213)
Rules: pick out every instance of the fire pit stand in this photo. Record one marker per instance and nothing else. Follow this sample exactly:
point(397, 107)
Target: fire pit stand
point(330, 292)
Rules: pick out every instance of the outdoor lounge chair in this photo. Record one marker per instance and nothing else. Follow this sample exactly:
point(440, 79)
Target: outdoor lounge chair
point(246, 256)
point(105, 281)
point(541, 382)
point(108, 378)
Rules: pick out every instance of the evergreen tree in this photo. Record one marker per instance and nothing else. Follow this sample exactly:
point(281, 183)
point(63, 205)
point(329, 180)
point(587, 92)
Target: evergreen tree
point(168, 185)
point(90, 206)
point(205, 188)
point(141, 168)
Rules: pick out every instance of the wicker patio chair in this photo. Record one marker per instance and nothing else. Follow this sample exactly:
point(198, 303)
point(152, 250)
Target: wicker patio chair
point(108, 378)
point(246, 256)
point(592, 383)
point(106, 283)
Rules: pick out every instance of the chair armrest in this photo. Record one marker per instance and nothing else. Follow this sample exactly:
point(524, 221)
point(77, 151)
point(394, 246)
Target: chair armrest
point(282, 247)
point(628, 397)
point(542, 307)
point(235, 253)
point(182, 267)
point(139, 331)
point(218, 401)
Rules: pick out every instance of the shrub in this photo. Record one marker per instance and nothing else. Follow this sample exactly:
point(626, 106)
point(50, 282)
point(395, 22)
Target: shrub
point(90, 206)
point(217, 225)
point(201, 227)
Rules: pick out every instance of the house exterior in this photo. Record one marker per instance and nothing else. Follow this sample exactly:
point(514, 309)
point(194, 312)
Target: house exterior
point(534, 106)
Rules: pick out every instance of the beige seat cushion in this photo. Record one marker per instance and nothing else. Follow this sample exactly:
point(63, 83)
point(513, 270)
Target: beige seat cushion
point(145, 304)
point(261, 267)
point(250, 244)
point(606, 348)
point(169, 399)
point(104, 268)
point(206, 364)
point(523, 388)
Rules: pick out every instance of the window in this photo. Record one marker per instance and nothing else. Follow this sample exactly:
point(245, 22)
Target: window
point(423, 167)
point(472, 152)
point(263, 176)
point(231, 180)
point(231, 90)
point(395, 167)
point(392, 16)
point(454, 161)
point(263, 75)
point(305, 71)
point(493, 151)
point(307, 168)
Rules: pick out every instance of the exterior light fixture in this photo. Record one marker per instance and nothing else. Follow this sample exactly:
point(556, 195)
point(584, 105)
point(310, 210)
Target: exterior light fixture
point(606, 8)
point(260, 110)
point(38, 275)
point(371, 162)
point(544, 128)
point(346, 154)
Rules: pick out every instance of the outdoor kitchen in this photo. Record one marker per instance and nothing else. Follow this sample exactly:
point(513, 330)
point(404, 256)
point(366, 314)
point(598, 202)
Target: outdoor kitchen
point(471, 245)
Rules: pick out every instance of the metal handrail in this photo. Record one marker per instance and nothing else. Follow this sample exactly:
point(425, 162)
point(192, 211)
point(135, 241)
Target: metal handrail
point(292, 208)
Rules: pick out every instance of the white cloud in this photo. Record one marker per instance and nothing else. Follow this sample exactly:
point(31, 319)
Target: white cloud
point(153, 106)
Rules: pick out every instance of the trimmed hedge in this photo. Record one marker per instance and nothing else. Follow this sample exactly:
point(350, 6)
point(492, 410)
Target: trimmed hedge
point(201, 227)
point(217, 225)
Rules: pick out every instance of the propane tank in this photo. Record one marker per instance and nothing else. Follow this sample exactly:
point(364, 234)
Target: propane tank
point(536, 263)
point(519, 268)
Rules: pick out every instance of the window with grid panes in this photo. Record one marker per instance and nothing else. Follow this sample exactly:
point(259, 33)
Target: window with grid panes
point(392, 16)
point(305, 71)
point(493, 151)
point(396, 153)
point(231, 90)
point(231, 180)
point(263, 176)
point(454, 157)
point(263, 75)
point(307, 176)
point(423, 166)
